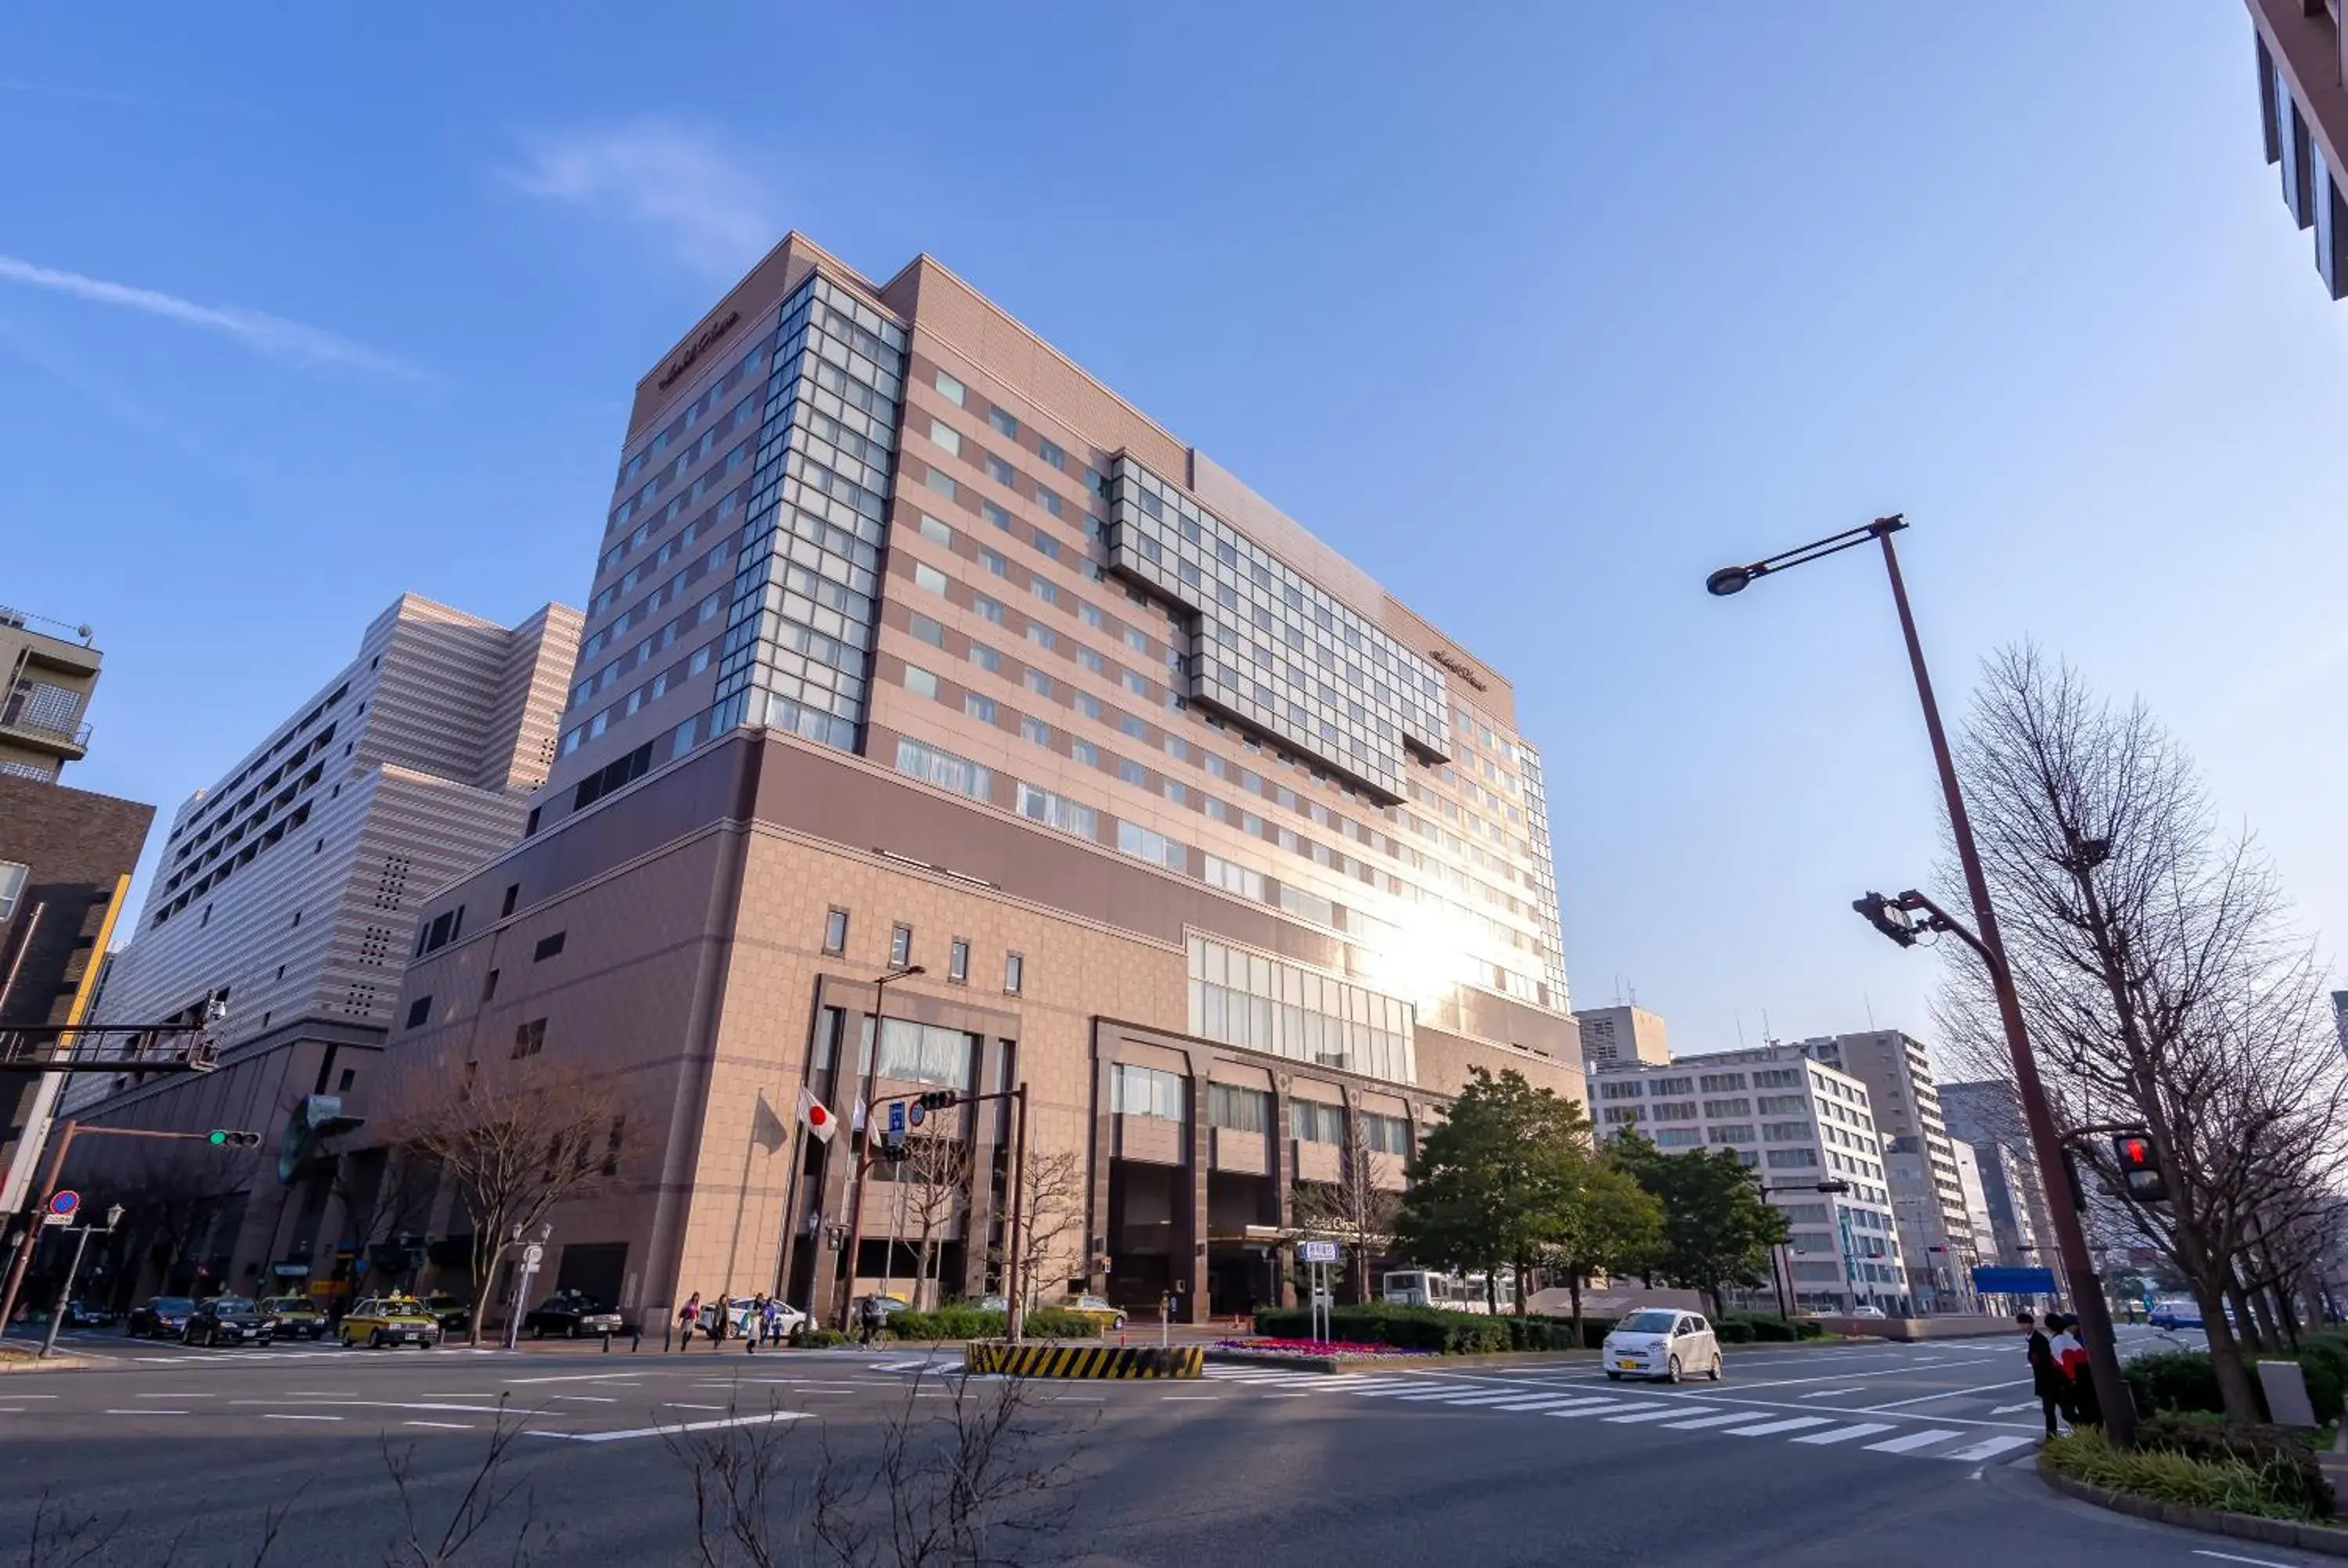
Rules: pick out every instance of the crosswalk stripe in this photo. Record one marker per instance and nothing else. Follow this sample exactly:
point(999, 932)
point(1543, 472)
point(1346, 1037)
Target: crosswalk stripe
point(1768, 1428)
point(1845, 1434)
point(1662, 1412)
point(1924, 1438)
point(1544, 1402)
point(1711, 1421)
point(1989, 1448)
point(1486, 1398)
point(1417, 1391)
point(1573, 1412)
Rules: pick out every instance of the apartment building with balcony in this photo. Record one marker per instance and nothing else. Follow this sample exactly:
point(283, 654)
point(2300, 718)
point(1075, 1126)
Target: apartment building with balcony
point(1798, 1124)
point(49, 672)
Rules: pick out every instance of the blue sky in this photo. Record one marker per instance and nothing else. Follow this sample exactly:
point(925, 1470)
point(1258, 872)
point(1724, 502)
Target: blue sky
point(1539, 313)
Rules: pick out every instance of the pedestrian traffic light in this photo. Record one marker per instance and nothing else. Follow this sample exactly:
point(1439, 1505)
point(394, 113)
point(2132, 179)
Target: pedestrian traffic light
point(938, 1099)
point(1887, 917)
point(232, 1138)
point(2139, 1168)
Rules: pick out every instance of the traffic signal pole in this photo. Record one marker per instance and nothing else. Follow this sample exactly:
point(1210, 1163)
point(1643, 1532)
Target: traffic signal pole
point(65, 1136)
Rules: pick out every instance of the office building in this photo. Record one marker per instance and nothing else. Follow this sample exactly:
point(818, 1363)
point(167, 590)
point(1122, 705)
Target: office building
point(910, 643)
point(1927, 1191)
point(1800, 1124)
point(1622, 1034)
point(289, 889)
point(65, 859)
point(2303, 116)
point(1987, 1117)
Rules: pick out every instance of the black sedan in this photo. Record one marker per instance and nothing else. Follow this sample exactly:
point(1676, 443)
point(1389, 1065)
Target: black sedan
point(228, 1320)
point(571, 1314)
point(160, 1317)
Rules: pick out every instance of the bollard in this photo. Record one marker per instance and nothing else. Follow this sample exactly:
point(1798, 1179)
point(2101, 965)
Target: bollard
point(607, 1342)
point(1120, 1338)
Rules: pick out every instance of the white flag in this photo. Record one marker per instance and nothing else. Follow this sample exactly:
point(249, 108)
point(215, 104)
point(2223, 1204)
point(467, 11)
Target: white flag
point(817, 1116)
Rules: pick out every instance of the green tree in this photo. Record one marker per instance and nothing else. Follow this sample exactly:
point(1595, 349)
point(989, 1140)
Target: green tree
point(1610, 1226)
point(1718, 1229)
point(1494, 1183)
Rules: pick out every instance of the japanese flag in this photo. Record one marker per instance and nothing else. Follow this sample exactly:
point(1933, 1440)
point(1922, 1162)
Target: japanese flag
point(817, 1115)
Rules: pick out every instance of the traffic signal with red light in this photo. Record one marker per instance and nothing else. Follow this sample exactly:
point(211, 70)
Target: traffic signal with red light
point(2139, 1168)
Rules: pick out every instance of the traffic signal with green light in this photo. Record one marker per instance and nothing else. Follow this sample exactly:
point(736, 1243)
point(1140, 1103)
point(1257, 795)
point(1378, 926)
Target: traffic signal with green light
point(232, 1138)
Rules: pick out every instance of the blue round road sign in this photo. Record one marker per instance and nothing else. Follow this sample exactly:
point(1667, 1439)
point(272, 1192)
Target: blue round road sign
point(916, 1114)
point(63, 1203)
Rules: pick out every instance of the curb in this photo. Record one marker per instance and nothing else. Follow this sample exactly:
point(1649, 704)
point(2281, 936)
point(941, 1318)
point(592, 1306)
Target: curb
point(13, 1363)
point(2320, 1539)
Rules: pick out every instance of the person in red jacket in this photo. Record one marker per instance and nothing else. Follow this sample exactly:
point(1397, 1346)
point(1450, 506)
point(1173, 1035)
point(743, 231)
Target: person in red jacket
point(2080, 1405)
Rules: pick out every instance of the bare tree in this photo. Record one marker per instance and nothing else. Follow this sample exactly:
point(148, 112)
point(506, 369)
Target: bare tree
point(933, 1183)
point(1053, 1197)
point(385, 1193)
point(2161, 983)
point(1354, 1211)
point(517, 1141)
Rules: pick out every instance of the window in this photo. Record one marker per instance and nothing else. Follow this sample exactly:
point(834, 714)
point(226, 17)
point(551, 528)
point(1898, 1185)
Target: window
point(1084, 751)
point(928, 631)
point(994, 563)
point(1309, 1121)
point(1139, 842)
point(936, 531)
point(1144, 1091)
point(995, 514)
point(1051, 454)
point(944, 435)
point(1785, 1132)
point(921, 682)
point(1057, 811)
point(944, 769)
point(1715, 1109)
point(952, 390)
point(1035, 732)
point(1633, 1090)
point(999, 471)
point(1778, 1077)
point(943, 485)
point(929, 577)
point(1240, 1110)
point(1133, 772)
point(13, 873)
point(1386, 1134)
point(1734, 1132)
point(987, 609)
point(489, 985)
point(901, 946)
point(513, 896)
point(1674, 1111)
point(835, 930)
point(1793, 1159)
point(1004, 423)
point(547, 946)
point(1674, 1086)
point(1015, 973)
point(958, 962)
point(1721, 1083)
point(926, 1054)
point(978, 707)
point(530, 1039)
point(419, 1012)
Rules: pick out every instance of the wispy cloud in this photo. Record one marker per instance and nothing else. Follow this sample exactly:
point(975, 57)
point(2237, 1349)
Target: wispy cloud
point(705, 207)
point(271, 335)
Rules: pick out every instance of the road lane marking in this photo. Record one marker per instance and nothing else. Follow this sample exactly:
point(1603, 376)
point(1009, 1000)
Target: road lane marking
point(588, 1399)
point(149, 1412)
point(1924, 1438)
point(1664, 1413)
point(2009, 1410)
point(442, 1426)
point(1470, 1398)
point(2230, 1557)
point(1288, 1396)
point(409, 1404)
point(1199, 1397)
point(1587, 1407)
point(580, 1378)
point(1710, 1421)
point(1845, 1434)
point(1769, 1428)
point(1830, 1393)
point(1544, 1402)
point(273, 1416)
point(1989, 1447)
point(1950, 1394)
point(676, 1428)
point(680, 1405)
point(318, 1394)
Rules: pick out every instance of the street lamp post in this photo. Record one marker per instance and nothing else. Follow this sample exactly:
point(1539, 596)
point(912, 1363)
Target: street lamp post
point(863, 1144)
point(2078, 1264)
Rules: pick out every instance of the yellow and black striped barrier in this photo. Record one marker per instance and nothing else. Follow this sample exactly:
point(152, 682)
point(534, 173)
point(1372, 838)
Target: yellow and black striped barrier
point(1085, 1360)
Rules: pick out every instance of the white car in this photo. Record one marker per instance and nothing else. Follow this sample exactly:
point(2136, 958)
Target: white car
point(1658, 1342)
point(1865, 1310)
point(738, 1312)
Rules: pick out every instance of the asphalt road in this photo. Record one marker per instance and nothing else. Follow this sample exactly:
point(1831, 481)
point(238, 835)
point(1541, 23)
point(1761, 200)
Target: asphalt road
point(1914, 1454)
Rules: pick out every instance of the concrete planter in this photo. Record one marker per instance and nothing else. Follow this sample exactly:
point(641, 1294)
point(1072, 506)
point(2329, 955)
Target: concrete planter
point(2318, 1538)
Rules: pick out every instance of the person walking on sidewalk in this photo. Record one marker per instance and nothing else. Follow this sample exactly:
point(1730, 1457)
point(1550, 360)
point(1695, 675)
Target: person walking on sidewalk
point(688, 1316)
point(2046, 1379)
point(2080, 1406)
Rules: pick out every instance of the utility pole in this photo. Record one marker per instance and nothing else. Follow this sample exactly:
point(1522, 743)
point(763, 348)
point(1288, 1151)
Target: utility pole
point(64, 1291)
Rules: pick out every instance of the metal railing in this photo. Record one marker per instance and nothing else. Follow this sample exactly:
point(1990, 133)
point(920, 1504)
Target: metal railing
point(64, 630)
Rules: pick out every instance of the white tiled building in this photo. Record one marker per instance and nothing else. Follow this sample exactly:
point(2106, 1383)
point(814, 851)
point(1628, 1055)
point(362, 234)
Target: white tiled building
point(1800, 1124)
point(292, 886)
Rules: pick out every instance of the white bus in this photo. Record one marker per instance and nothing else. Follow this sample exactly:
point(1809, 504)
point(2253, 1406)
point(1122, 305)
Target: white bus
point(1425, 1287)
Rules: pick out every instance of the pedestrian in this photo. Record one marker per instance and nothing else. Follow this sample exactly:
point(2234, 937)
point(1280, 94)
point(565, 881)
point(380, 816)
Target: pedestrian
point(754, 1324)
point(868, 1317)
point(687, 1317)
point(2045, 1372)
point(771, 1319)
point(2082, 1408)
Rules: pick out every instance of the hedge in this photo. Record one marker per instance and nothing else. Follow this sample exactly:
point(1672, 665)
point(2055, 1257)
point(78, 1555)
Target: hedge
point(2186, 1381)
point(1433, 1328)
point(962, 1321)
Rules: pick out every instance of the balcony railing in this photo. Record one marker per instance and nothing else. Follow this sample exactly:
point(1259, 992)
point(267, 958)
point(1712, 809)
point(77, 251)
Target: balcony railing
point(74, 736)
point(64, 631)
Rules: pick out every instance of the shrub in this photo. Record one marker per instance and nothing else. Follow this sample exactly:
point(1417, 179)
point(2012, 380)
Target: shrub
point(2186, 1381)
point(1055, 1323)
point(818, 1338)
point(961, 1320)
point(2199, 1467)
point(1403, 1328)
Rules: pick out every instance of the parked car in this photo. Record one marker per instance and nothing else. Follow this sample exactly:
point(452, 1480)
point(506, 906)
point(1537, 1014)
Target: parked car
point(382, 1322)
point(1866, 1309)
point(1659, 1342)
point(297, 1317)
point(1097, 1308)
point(739, 1309)
point(453, 1312)
point(572, 1313)
point(2176, 1312)
point(158, 1318)
point(87, 1315)
point(227, 1320)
